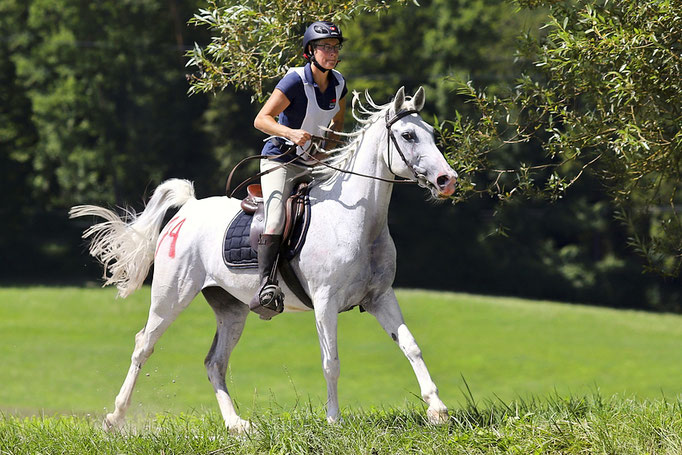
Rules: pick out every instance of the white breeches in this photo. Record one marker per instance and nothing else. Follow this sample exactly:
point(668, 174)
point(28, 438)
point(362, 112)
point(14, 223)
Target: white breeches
point(277, 187)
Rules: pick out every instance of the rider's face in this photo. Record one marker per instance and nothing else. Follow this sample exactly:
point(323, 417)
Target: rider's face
point(330, 57)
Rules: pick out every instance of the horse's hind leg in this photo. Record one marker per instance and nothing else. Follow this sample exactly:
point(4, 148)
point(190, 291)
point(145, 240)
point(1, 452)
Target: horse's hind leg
point(387, 311)
point(230, 316)
point(167, 303)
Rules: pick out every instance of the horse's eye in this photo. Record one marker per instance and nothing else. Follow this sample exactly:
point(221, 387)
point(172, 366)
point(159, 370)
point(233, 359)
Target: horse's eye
point(408, 136)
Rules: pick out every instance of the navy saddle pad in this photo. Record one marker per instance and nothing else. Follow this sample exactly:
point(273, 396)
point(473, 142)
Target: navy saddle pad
point(237, 251)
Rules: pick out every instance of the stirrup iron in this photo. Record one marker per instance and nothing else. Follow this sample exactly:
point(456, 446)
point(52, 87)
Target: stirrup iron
point(272, 297)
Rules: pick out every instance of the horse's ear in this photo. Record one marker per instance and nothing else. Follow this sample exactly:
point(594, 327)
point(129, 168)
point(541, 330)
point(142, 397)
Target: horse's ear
point(399, 100)
point(419, 99)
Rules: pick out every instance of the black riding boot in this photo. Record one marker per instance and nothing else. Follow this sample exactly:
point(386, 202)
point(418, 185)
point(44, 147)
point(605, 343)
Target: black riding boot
point(269, 301)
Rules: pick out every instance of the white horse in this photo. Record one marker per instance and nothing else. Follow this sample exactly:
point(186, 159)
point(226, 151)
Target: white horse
point(348, 259)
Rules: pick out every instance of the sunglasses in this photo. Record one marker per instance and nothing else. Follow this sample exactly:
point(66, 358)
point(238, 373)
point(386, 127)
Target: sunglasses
point(328, 47)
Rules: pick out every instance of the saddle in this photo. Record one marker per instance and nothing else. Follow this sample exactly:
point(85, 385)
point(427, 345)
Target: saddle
point(240, 245)
point(296, 207)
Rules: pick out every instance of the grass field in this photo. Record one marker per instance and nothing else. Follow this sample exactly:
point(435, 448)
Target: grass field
point(543, 378)
point(553, 426)
point(66, 351)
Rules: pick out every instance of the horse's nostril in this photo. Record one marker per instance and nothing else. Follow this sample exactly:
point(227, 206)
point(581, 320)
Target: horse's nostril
point(443, 181)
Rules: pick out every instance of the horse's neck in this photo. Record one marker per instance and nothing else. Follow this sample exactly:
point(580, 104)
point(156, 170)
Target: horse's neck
point(366, 199)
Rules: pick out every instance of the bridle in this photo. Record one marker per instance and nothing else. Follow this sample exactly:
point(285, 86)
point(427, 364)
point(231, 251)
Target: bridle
point(389, 124)
point(391, 138)
point(417, 178)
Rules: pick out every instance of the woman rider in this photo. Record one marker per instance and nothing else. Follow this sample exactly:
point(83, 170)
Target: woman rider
point(305, 101)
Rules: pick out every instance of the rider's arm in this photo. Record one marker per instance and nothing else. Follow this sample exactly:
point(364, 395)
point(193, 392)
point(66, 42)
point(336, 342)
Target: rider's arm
point(265, 120)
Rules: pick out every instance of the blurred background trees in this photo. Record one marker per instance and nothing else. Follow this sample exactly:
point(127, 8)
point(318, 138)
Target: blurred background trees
point(95, 109)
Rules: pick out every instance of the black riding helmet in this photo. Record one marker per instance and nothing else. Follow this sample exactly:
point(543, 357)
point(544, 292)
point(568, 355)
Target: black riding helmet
point(320, 30)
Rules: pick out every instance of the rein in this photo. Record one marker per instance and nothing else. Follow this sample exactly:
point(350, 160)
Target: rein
point(257, 176)
point(389, 124)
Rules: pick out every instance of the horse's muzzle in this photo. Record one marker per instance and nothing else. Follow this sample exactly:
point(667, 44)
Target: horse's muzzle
point(446, 184)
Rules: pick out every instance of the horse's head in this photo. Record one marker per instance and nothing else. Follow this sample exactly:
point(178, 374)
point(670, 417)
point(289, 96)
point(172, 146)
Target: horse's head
point(413, 152)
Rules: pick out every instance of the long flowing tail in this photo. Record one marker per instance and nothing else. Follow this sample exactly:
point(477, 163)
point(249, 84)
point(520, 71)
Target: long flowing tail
point(125, 246)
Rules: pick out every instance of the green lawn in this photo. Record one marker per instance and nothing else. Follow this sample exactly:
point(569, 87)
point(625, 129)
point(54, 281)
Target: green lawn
point(577, 426)
point(66, 350)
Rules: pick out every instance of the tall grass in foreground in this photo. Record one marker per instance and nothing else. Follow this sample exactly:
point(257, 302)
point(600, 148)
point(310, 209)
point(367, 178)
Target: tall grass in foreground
point(556, 425)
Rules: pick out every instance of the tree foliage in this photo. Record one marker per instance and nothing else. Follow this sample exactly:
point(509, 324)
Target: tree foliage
point(435, 45)
point(18, 136)
point(95, 74)
point(604, 97)
point(94, 109)
point(255, 41)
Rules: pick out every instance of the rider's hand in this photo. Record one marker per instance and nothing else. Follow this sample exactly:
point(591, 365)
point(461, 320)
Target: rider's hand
point(299, 137)
point(320, 155)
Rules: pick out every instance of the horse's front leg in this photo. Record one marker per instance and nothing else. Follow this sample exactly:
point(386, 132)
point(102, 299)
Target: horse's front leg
point(326, 320)
point(387, 311)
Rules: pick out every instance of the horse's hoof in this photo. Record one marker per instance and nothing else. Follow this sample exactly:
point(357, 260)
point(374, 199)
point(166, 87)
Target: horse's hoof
point(109, 424)
point(437, 416)
point(241, 426)
point(334, 420)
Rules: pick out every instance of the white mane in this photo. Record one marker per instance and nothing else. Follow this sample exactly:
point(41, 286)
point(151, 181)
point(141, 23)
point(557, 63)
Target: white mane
point(340, 157)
